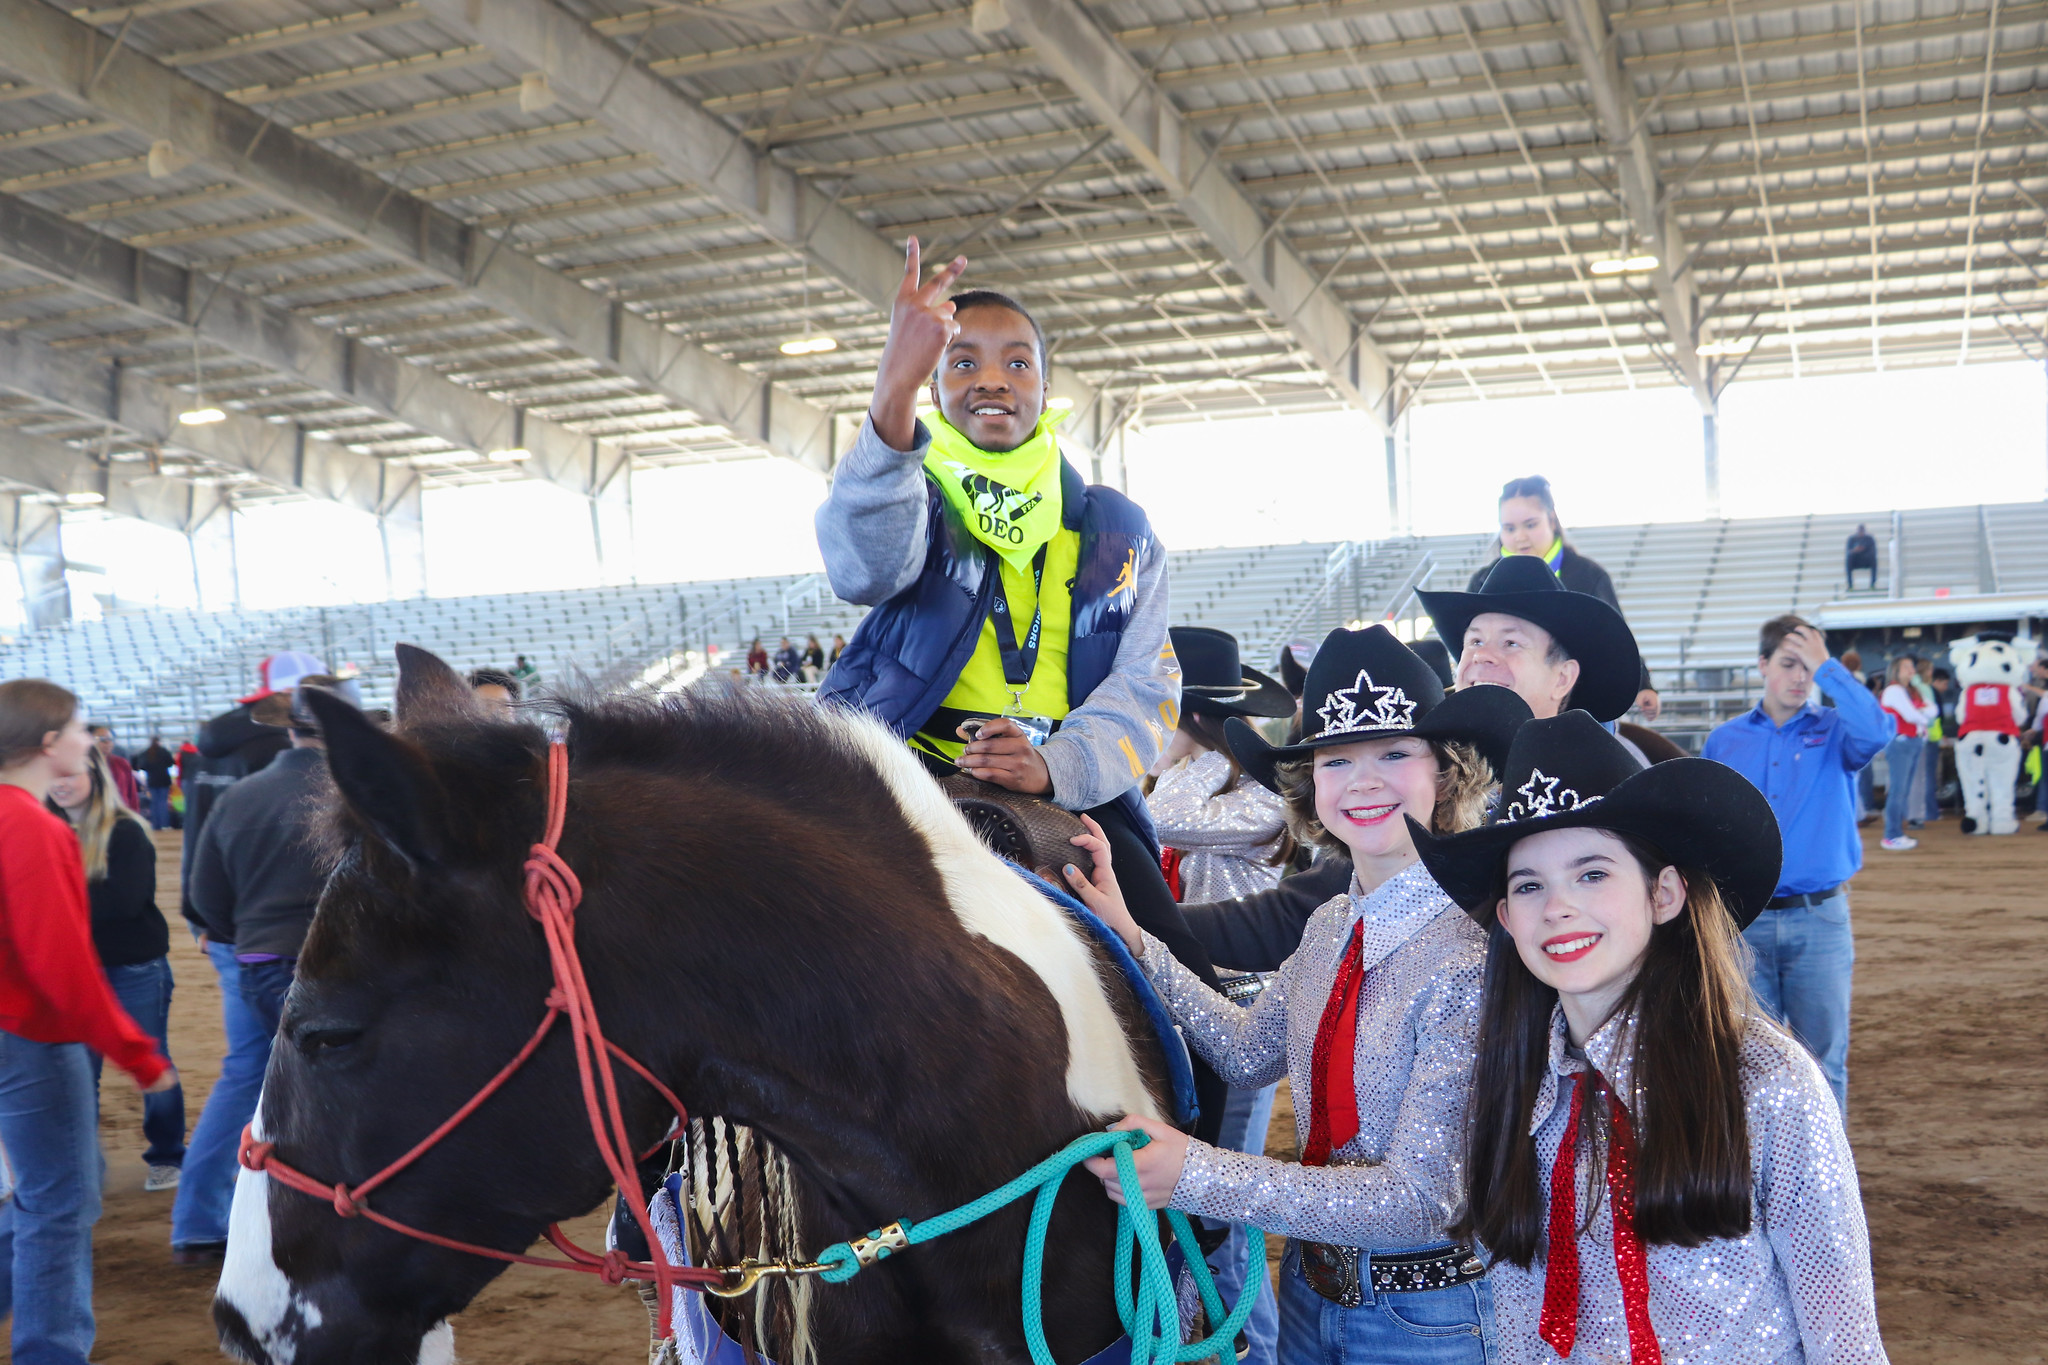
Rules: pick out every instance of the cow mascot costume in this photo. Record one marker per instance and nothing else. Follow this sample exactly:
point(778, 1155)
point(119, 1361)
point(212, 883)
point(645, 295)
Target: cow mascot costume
point(1990, 713)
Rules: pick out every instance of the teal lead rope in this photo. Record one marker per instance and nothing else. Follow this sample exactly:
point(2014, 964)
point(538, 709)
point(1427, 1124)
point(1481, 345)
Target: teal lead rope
point(1151, 1313)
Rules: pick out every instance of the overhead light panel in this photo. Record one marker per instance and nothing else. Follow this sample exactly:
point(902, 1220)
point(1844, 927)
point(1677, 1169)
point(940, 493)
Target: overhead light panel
point(1061, 405)
point(535, 93)
point(165, 160)
point(85, 498)
point(811, 345)
point(989, 16)
point(1623, 265)
point(1731, 346)
point(200, 417)
point(509, 455)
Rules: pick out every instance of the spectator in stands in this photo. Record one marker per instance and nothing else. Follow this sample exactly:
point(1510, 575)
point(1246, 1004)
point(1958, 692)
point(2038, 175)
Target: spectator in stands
point(133, 942)
point(496, 689)
point(1019, 623)
point(838, 648)
point(125, 785)
point(789, 662)
point(1522, 629)
point(1804, 757)
point(1860, 553)
point(155, 764)
point(1910, 719)
point(54, 1005)
point(814, 660)
point(254, 882)
point(757, 659)
point(525, 674)
point(1529, 526)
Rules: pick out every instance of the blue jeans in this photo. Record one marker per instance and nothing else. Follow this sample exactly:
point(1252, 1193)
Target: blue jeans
point(1930, 779)
point(1802, 962)
point(49, 1125)
point(1451, 1326)
point(159, 807)
point(144, 990)
point(1246, 1117)
point(1901, 757)
point(200, 1214)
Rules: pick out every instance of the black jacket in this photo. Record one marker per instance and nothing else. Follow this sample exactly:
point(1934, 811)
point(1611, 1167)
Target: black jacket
point(1579, 574)
point(1257, 933)
point(127, 928)
point(155, 763)
point(231, 747)
point(256, 879)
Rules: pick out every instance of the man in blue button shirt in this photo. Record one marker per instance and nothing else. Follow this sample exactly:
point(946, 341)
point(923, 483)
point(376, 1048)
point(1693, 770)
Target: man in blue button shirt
point(1804, 758)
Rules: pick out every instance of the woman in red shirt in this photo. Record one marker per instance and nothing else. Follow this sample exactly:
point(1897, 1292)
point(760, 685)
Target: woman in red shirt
point(54, 1005)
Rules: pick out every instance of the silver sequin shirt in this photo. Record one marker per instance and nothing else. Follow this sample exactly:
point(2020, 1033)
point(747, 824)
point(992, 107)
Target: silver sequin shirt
point(1224, 839)
point(1796, 1288)
point(1395, 1185)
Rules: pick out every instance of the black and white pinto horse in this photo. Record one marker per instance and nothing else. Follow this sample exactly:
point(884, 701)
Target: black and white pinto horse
point(784, 919)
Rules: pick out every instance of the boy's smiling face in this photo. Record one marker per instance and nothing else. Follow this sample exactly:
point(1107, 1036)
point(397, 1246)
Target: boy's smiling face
point(991, 381)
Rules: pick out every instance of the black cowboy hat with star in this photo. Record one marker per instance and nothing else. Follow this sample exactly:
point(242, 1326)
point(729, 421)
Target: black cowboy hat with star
point(1365, 684)
point(1215, 682)
point(1569, 773)
point(1610, 666)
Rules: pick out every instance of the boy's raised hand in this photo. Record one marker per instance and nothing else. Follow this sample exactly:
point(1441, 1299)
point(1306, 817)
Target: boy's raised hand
point(920, 324)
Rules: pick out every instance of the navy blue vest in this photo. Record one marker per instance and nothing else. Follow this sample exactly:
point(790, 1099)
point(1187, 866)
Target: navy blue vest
point(909, 651)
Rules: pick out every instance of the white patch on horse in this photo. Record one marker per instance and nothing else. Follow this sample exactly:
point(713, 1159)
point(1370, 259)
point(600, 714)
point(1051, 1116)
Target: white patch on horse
point(438, 1346)
point(274, 1311)
point(993, 902)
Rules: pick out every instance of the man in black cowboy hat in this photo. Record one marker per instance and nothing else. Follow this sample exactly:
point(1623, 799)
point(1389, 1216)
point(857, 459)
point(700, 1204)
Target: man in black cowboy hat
point(1525, 630)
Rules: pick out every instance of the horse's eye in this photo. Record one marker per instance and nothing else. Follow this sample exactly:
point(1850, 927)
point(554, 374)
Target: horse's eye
point(314, 1041)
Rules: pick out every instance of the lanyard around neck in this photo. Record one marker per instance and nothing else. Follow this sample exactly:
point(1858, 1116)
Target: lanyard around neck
point(1019, 662)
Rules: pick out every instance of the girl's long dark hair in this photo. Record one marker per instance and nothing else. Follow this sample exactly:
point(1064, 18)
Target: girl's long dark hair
point(1692, 1133)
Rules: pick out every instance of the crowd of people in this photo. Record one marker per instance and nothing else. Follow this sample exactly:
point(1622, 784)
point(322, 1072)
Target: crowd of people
point(1564, 1011)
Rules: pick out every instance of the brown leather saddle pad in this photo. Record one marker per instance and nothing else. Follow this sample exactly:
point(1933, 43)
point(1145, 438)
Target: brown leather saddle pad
point(1029, 832)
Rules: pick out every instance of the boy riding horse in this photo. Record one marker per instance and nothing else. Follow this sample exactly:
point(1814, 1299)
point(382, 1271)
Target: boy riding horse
point(1019, 630)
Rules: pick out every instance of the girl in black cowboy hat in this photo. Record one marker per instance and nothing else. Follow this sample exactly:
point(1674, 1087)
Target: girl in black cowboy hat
point(1653, 1164)
point(1230, 832)
point(1372, 1020)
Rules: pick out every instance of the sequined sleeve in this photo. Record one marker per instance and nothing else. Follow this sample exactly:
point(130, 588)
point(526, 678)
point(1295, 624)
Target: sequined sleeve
point(1810, 1204)
point(1246, 1047)
point(1403, 1201)
point(1191, 816)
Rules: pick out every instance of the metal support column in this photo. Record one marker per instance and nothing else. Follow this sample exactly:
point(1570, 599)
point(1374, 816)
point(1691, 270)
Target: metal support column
point(1393, 448)
point(1710, 441)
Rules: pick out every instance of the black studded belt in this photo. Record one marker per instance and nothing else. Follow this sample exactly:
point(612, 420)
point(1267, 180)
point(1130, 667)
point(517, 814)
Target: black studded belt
point(1334, 1271)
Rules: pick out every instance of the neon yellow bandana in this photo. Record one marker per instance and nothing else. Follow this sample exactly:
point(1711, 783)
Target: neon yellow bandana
point(1554, 556)
point(1010, 501)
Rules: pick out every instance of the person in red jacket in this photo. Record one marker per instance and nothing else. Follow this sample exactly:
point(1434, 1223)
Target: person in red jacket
point(55, 1004)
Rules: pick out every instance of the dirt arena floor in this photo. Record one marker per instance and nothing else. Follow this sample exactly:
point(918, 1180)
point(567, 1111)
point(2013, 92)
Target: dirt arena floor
point(1948, 1115)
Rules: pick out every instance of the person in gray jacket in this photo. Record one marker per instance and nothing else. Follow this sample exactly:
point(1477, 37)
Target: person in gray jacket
point(1019, 630)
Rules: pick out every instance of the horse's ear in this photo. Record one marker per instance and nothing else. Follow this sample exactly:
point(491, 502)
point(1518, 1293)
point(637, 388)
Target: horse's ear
point(383, 779)
point(429, 690)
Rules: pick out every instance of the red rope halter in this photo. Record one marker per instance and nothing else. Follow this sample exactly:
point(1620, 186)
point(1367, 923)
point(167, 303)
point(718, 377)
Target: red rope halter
point(552, 895)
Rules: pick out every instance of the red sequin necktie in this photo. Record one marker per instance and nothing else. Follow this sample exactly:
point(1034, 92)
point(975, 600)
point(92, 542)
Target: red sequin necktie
point(1559, 1325)
point(1333, 1108)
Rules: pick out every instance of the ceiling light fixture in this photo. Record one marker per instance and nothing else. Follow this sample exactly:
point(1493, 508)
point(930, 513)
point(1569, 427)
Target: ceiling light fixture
point(1061, 405)
point(811, 345)
point(200, 417)
point(509, 455)
point(1731, 346)
point(85, 498)
point(1623, 265)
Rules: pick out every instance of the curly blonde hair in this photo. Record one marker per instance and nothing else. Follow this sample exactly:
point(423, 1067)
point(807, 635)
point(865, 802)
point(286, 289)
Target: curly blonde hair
point(1462, 781)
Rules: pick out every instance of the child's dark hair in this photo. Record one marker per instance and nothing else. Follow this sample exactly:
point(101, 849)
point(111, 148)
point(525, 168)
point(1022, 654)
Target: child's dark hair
point(1774, 632)
point(1692, 1176)
point(495, 677)
point(989, 298)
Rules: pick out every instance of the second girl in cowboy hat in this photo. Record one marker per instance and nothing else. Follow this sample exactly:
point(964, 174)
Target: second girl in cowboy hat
point(1372, 1020)
point(1656, 1170)
point(1230, 832)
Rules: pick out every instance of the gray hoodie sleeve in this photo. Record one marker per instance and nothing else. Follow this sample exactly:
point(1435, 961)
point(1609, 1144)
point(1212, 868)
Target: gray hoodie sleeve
point(1106, 744)
point(871, 529)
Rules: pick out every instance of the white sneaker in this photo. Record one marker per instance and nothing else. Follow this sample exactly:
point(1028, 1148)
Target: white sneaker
point(1899, 845)
point(161, 1178)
